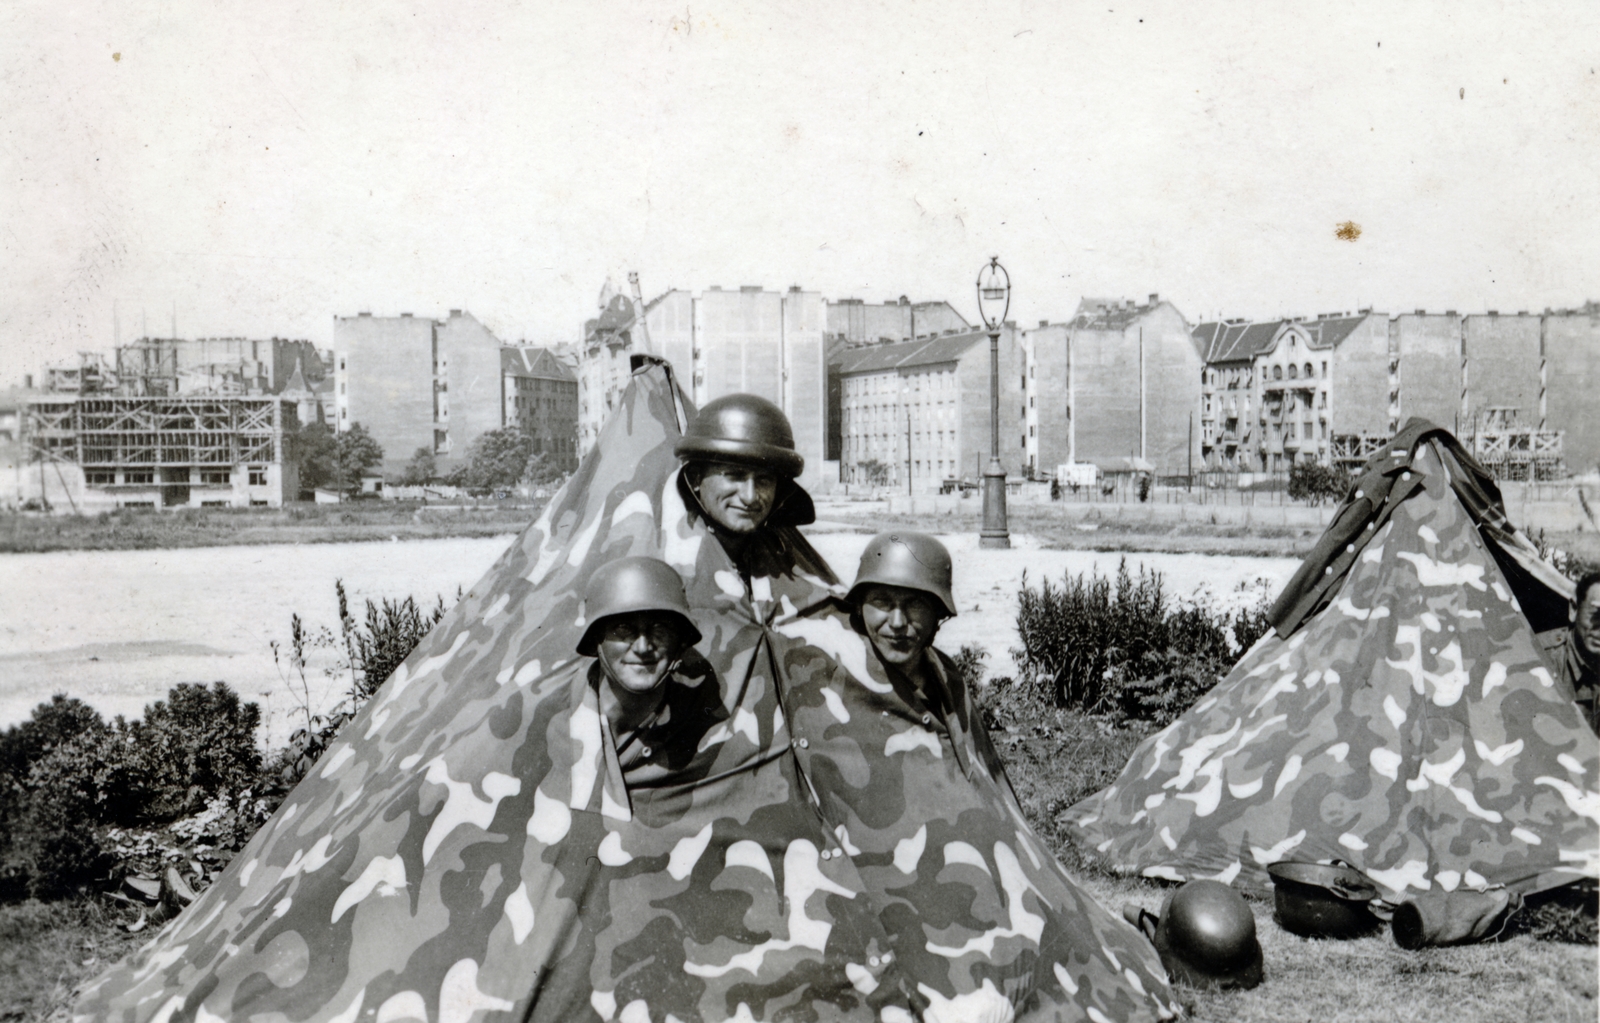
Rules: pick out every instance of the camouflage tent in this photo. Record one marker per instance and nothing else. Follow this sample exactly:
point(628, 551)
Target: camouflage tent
point(467, 849)
point(1401, 718)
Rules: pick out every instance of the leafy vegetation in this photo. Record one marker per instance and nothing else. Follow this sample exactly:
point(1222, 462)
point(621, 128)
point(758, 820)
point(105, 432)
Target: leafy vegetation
point(335, 461)
point(367, 651)
point(422, 469)
point(1104, 645)
point(1314, 482)
point(502, 459)
point(84, 802)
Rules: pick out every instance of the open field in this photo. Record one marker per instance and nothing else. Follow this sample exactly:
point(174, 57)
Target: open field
point(226, 527)
point(1052, 529)
point(409, 520)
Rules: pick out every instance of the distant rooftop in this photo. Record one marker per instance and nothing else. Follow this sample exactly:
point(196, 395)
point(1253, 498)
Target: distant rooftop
point(905, 354)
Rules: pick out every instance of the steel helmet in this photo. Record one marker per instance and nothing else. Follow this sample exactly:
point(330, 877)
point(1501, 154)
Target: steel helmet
point(915, 561)
point(634, 584)
point(1207, 937)
point(743, 429)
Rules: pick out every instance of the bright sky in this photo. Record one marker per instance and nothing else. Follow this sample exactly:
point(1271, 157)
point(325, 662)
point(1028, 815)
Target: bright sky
point(262, 167)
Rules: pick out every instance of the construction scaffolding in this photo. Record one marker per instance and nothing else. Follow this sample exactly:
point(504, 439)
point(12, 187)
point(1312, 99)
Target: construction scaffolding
point(1353, 450)
point(1511, 451)
point(167, 445)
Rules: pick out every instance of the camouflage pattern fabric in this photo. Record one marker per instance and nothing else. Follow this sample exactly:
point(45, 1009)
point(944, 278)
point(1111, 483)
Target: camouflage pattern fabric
point(469, 849)
point(984, 922)
point(1410, 727)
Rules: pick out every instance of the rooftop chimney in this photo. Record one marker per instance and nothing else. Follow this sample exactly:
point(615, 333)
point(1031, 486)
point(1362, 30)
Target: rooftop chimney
point(1044, 323)
point(1155, 297)
point(363, 314)
point(455, 312)
point(405, 314)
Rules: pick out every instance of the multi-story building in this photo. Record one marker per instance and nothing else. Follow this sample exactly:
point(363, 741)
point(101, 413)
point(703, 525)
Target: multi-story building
point(917, 413)
point(718, 342)
point(1569, 376)
point(859, 322)
point(541, 398)
point(1517, 389)
point(1120, 379)
point(417, 383)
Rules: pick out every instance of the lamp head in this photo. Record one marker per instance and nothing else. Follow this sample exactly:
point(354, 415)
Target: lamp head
point(994, 294)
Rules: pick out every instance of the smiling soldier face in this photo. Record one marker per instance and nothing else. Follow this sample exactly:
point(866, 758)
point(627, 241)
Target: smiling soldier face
point(737, 497)
point(639, 649)
point(900, 623)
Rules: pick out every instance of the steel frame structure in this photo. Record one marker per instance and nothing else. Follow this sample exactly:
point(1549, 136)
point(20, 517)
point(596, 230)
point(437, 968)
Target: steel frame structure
point(109, 433)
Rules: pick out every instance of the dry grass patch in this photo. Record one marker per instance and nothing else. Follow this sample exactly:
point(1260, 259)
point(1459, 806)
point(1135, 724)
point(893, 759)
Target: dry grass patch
point(48, 949)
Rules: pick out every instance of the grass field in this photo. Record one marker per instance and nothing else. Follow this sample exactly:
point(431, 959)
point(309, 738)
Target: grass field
point(217, 527)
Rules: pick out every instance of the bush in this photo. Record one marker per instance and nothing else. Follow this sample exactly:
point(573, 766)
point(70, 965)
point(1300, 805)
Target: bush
point(1315, 482)
point(1106, 646)
point(191, 746)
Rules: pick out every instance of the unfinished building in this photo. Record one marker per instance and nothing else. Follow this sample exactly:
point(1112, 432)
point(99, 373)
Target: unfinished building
point(96, 452)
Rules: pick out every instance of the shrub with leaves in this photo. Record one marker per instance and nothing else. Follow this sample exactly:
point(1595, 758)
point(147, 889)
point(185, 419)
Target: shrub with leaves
point(367, 654)
point(1314, 482)
point(1118, 646)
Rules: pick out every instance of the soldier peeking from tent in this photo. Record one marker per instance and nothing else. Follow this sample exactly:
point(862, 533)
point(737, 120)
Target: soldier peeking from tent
point(983, 921)
point(1574, 651)
point(739, 477)
point(646, 674)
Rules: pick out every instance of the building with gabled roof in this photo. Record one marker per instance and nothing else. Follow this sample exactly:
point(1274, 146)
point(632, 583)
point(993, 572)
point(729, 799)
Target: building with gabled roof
point(1279, 391)
point(540, 396)
point(915, 414)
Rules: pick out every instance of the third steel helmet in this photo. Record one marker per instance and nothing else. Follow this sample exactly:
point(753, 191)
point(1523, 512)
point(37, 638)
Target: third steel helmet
point(1207, 937)
point(915, 561)
point(743, 429)
point(634, 584)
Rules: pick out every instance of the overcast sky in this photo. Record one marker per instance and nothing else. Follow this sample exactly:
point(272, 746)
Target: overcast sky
point(262, 167)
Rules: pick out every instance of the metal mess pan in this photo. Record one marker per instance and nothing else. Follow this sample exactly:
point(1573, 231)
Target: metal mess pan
point(1323, 900)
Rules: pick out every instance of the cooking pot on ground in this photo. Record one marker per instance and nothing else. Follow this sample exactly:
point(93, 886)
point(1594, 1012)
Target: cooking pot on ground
point(1323, 900)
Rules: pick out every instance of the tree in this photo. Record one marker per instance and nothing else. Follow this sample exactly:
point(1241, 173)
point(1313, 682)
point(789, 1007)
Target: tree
point(335, 460)
point(358, 454)
point(1314, 482)
point(497, 460)
point(422, 468)
point(874, 473)
point(542, 471)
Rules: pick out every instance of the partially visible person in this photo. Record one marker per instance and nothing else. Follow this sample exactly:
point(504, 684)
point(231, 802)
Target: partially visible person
point(739, 475)
point(983, 921)
point(1575, 650)
point(641, 635)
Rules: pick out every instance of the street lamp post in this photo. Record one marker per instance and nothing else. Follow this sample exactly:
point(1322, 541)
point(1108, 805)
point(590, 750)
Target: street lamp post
point(994, 301)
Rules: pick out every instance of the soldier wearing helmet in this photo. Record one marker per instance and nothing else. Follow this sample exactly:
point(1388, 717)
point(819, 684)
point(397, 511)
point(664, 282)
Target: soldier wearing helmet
point(739, 471)
point(900, 597)
point(641, 636)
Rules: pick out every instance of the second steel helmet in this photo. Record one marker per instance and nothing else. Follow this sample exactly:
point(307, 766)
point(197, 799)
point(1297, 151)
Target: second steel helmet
point(1206, 937)
point(743, 429)
point(634, 584)
point(915, 561)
